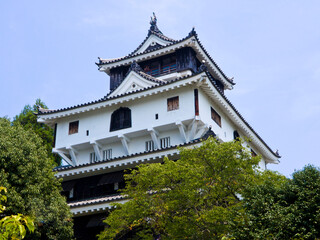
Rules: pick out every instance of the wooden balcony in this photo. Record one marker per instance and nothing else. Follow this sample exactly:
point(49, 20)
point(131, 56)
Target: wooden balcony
point(163, 70)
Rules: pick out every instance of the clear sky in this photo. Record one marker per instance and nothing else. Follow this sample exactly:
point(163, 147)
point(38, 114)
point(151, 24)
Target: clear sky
point(271, 48)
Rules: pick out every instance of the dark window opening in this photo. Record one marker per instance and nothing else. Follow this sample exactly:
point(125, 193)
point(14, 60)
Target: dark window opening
point(173, 103)
point(120, 119)
point(236, 135)
point(196, 102)
point(73, 127)
point(87, 132)
point(157, 116)
point(215, 117)
point(253, 153)
point(54, 135)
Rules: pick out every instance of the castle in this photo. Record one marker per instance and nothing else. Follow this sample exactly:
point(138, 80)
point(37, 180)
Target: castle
point(166, 93)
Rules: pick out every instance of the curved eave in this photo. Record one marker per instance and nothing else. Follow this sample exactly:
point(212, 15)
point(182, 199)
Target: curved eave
point(97, 205)
point(190, 41)
point(119, 163)
point(215, 93)
point(137, 50)
point(107, 101)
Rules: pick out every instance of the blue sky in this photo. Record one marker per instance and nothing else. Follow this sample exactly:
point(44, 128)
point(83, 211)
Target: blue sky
point(271, 48)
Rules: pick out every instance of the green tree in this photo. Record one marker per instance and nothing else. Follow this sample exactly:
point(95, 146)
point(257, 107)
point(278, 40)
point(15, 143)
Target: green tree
point(281, 208)
point(14, 226)
point(28, 120)
point(195, 197)
point(26, 171)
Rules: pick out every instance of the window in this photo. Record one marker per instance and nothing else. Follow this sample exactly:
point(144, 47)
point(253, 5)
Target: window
point(107, 154)
point(93, 158)
point(73, 127)
point(215, 117)
point(236, 135)
point(149, 145)
point(165, 142)
point(120, 119)
point(173, 103)
point(196, 102)
point(253, 153)
point(71, 193)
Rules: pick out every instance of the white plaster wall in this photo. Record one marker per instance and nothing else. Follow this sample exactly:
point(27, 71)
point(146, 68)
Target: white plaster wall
point(225, 132)
point(142, 112)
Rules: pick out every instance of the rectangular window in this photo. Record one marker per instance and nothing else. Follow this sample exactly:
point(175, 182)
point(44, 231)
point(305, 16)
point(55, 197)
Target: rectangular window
point(93, 158)
point(107, 154)
point(165, 142)
point(196, 102)
point(173, 103)
point(149, 145)
point(215, 117)
point(73, 127)
point(253, 153)
point(71, 193)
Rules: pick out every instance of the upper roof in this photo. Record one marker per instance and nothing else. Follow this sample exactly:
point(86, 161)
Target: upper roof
point(157, 44)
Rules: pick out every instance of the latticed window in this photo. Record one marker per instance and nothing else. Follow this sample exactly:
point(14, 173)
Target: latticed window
point(93, 158)
point(215, 117)
point(149, 145)
point(120, 119)
point(173, 103)
point(107, 154)
point(165, 142)
point(73, 127)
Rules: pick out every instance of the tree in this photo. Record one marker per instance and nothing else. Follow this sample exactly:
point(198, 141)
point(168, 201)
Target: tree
point(33, 190)
point(28, 120)
point(281, 208)
point(14, 226)
point(195, 197)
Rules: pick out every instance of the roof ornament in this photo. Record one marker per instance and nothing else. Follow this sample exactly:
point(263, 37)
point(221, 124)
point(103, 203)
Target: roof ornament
point(135, 67)
point(153, 23)
point(192, 32)
point(202, 67)
point(208, 133)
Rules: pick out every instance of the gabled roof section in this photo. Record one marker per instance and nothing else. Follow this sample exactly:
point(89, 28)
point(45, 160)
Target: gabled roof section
point(154, 40)
point(149, 52)
point(135, 80)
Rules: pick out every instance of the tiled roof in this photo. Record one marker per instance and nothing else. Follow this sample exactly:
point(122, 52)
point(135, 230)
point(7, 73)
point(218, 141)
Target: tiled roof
point(106, 98)
point(96, 200)
point(134, 53)
point(160, 83)
point(241, 117)
point(62, 168)
point(173, 42)
point(154, 30)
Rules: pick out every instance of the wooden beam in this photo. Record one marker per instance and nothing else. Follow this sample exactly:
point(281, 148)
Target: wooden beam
point(182, 131)
point(193, 128)
point(97, 150)
point(73, 156)
point(63, 156)
point(125, 141)
point(154, 135)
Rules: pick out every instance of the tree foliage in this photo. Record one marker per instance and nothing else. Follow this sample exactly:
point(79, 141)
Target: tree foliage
point(14, 226)
point(195, 197)
point(280, 208)
point(26, 171)
point(28, 120)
